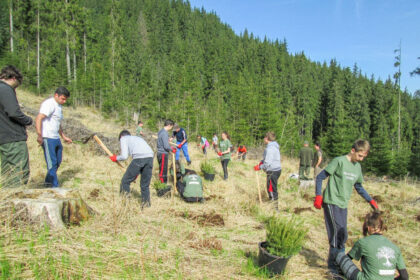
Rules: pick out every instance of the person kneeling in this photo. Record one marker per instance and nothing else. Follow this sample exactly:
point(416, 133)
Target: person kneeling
point(190, 187)
point(379, 256)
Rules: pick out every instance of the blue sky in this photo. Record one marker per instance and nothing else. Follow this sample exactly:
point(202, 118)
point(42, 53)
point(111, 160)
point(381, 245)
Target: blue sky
point(365, 32)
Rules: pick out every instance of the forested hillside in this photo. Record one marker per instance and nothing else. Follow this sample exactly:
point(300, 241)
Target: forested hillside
point(163, 59)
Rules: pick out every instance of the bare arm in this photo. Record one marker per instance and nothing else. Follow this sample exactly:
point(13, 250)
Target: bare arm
point(38, 127)
point(65, 138)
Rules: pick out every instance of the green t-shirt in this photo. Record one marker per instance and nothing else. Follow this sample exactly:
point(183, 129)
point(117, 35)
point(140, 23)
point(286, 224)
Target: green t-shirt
point(193, 186)
point(139, 130)
point(380, 257)
point(343, 176)
point(317, 155)
point(305, 156)
point(224, 146)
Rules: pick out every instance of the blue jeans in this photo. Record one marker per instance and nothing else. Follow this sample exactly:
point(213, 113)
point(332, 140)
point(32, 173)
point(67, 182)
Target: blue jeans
point(184, 149)
point(53, 152)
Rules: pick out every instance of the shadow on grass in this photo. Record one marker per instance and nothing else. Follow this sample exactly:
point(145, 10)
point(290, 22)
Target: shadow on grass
point(69, 174)
point(312, 257)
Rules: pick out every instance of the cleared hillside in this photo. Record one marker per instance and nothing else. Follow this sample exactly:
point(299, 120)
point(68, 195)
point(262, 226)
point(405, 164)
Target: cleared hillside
point(175, 240)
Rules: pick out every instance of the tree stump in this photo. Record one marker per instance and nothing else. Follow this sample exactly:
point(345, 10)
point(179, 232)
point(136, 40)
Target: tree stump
point(57, 208)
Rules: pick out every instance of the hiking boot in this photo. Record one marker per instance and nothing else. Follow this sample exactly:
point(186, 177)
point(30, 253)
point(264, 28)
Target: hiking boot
point(275, 206)
point(188, 162)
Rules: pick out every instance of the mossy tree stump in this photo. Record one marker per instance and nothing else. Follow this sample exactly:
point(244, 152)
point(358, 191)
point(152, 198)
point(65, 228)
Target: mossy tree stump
point(57, 208)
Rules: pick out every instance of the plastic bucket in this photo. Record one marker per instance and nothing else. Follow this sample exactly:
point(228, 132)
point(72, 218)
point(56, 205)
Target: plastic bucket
point(274, 264)
point(209, 177)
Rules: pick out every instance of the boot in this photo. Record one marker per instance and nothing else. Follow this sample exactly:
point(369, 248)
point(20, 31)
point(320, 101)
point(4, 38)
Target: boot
point(145, 204)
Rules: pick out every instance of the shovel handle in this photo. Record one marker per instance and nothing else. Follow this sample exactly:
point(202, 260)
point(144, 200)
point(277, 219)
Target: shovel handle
point(105, 148)
point(258, 185)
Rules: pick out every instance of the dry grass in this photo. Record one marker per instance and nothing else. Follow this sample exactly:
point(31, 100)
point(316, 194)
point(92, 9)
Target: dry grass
point(176, 240)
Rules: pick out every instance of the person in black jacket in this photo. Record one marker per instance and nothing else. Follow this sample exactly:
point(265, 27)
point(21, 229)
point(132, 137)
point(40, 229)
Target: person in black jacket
point(14, 154)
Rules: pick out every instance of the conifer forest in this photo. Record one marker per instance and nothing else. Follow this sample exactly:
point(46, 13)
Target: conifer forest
point(164, 59)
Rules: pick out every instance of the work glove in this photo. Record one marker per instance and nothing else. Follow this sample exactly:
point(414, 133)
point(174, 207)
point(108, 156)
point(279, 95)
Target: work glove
point(173, 149)
point(219, 154)
point(318, 202)
point(179, 146)
point(373, 204)
point(257, 167)
point(113, 158)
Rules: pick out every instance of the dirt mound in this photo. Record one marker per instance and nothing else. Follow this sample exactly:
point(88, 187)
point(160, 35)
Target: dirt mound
point(94, 193)
point(204, 219)
point(211, 243)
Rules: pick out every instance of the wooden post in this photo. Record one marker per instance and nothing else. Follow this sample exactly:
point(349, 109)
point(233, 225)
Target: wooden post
point(174, 169)
point(258, 185)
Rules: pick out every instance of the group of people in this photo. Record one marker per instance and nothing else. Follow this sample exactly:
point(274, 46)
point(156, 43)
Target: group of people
point(14, 151)
point(379, 256)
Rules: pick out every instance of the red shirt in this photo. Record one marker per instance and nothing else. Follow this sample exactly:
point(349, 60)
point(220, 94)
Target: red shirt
point(242, 150)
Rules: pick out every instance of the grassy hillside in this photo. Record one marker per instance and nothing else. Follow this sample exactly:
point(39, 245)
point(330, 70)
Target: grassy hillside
point(175, 240)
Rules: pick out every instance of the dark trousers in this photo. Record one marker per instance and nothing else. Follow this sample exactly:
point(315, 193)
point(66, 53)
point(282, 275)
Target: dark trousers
point(272, 179)
point(142, 166)
point(163, 167)
point(336, 224)
point(14, 159)
point(225, 163)
point(53, 152)
point(304, 171)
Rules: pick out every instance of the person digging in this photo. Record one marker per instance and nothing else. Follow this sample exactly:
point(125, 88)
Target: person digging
point(142, 164)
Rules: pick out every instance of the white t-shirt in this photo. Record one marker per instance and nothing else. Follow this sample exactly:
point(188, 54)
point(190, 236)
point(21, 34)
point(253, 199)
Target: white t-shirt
point(54, 113)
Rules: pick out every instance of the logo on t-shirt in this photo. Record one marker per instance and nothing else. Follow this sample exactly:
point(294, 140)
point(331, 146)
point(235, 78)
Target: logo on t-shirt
point(386, 253)
point(350, 176)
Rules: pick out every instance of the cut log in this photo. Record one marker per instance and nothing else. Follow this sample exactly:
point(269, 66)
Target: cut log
point(57, 208)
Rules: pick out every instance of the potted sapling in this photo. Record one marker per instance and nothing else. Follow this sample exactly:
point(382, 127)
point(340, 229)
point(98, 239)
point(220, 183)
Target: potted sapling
point(284, 238)
point(161, 188)
point(208, 170)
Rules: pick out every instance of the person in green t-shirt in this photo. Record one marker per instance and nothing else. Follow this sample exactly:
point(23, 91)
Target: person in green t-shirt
point(225, 149)
point(305, 156)
point(344, 172)
point(139, 129)
point(191, 187)
point(379, 256)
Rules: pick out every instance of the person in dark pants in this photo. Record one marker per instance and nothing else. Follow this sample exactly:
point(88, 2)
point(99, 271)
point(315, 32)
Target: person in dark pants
point(14, 153)
point(306, 157)
point(48, 128)
point(345, 173)
point(271, 165)
point(163, 149)
point(142, 164)
point(224, 154)
point(379, 256)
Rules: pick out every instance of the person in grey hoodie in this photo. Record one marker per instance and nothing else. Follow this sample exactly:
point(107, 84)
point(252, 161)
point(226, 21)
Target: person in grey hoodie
point(142, 164)
point(271, 165)
point(163, 148)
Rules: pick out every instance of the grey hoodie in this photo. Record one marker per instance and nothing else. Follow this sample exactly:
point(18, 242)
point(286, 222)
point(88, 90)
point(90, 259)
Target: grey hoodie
point(135, 147)
point(271, 158)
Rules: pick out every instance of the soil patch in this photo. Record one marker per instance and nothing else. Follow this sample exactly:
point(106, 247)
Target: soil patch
point(302, 209)
point(213, 197)
point(418, 218)
point(211, 243)
point(378, 198)
point(204, 219)
point(308, 197)
point(94, 193)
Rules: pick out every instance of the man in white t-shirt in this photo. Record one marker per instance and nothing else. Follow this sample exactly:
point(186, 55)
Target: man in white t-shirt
point(48, 128)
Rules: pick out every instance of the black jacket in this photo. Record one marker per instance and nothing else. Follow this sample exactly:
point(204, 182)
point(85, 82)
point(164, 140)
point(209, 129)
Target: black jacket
point(12, 120)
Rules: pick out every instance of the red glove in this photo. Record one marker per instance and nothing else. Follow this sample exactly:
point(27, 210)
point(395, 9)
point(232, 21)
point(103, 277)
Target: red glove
point(179, 146)
point(257, 167)
point(173, 150)
point(318, 202)
point(373, 204)
point(219, 154)
point(113, 158)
